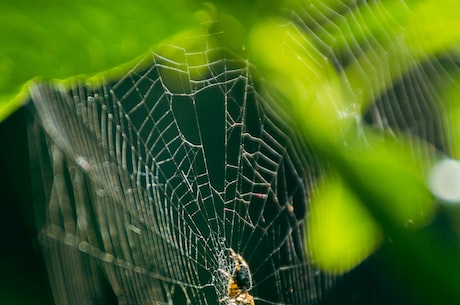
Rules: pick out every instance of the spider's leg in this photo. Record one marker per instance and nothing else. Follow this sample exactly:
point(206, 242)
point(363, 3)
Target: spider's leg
point(225, 273)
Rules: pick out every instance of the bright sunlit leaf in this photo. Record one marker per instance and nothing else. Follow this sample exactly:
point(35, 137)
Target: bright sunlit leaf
point(382, 181)
point(413, 32)
point(401, 193)
point(433, 27)
point(452, 113)
point(60, 39)
point(341, 232)
point(292, 64)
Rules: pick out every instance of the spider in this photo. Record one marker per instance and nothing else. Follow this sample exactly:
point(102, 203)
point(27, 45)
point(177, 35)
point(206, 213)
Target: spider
point(239, 283)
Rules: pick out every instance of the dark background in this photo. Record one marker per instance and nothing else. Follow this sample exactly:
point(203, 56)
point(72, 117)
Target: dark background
point(23, 275)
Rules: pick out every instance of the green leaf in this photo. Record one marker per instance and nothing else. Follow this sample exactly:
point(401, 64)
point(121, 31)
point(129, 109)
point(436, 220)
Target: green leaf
point(289, 60)
point(59, 39)
point(341, 233)
point(380, 189)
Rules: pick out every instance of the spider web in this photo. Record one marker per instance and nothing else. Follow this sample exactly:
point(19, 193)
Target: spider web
point(154, 185)
point(150, 180)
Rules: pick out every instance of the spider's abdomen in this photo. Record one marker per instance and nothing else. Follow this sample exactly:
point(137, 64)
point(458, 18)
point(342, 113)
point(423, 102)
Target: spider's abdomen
point(243, 278)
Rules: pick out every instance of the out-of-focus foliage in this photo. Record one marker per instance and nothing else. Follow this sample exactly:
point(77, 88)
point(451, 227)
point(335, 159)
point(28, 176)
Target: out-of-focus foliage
point(385, 177)
point(452, 112)
point(345, 235)
point(326, 102)
point(336, 212)
point(290, 62)
point(60, 39)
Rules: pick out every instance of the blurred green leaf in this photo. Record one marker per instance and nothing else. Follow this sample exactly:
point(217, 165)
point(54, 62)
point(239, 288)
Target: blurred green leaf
point(291, 63)
point(390, 171)
point(341, 233)
point(394, 192)
point(434, 27)
point(452, 113)
point(409, 33)
point(379, 183)
point(59, 39)
point(386, 176)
